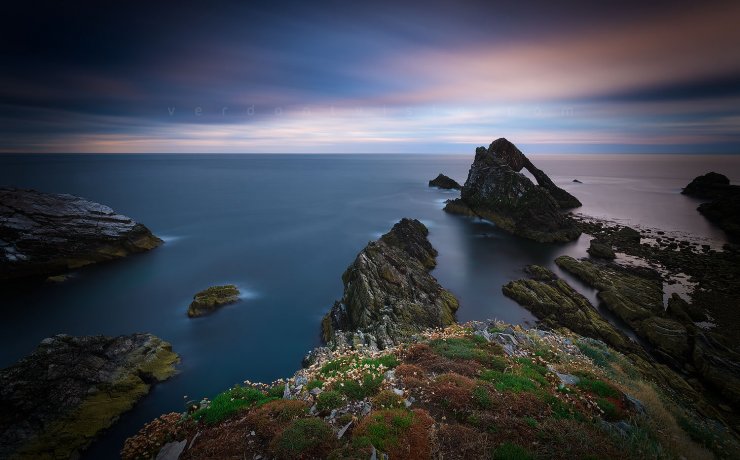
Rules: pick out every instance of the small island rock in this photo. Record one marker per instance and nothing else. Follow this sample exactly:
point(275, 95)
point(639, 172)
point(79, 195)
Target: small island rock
point(43, 234)
point(444, 182)
point(209, 300)
point(724, 209)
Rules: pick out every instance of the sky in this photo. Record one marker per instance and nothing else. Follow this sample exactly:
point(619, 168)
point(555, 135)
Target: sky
point(369, 77)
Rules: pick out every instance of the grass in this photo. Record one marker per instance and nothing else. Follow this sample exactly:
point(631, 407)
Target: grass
point(474, 348)
point(387, 399)
point(597, 387)
point(482, 397)
point(511, 451)
point(508, 381)
point(314, 384)
point(304, 438)
point(228, 403)
point(385, 428)
point(599, 356)
point(329, 400)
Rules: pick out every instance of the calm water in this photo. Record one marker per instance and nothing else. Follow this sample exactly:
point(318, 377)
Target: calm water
point(284, 228)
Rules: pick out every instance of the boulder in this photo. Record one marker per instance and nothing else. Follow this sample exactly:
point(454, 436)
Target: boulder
point(601, 249)
point(495, 191)
point(444, 182)
point(389, 293)
point(211, 299)
point(56, 400)
point(44, 234)
point(724, 209)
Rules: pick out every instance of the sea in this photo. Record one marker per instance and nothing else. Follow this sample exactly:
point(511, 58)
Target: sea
point(283, 228)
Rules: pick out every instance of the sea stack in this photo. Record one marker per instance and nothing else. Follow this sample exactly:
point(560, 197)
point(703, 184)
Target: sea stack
point(444, 182)
point(43, 234)
point(497, 192)
point(389, 293)
point(724, 209)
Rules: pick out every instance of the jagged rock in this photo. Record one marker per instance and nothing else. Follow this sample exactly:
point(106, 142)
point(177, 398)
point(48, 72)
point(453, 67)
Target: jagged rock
point(442, 181)
point(209, 300)
point(56, 400)
point(669, 337)
point(601, 249)
point(495, 191)
point(44, 234)
point(502, 148)
point(389, 293)
point(711, 185)
point(556, 304)
point(724, 209)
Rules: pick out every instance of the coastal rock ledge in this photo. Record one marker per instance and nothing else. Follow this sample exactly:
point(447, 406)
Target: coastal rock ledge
point(209, 300)
point(389, 294)
point(496, 191)
point(56, 400)
point(43, 234)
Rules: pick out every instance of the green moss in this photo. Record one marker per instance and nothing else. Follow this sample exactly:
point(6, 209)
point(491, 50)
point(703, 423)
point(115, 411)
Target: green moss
point(387, 399)
point(369, 385)
point(467, 348)
point(597, 387)
point(511, 451)
point(228, 403)
point(482, 398)
point(304, 438)
point(508, 381)
point(314, 384)
point(329, 400)
point(385, 428)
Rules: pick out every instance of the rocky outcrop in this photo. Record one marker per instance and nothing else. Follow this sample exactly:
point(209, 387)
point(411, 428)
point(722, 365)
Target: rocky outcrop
point(724, 209)
point(56, 400)
point(556, 304)
point(444, 182)
point(211, 299)
point(710, 186)
point(502, 148)
point(389, 293)
point(44, 234)
point(495, 191)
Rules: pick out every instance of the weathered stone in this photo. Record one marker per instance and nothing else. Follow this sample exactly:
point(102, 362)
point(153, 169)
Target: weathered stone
point(601, 249)
point(444, 182)
point(389, 293)
point(497, 192)
point(209, 300)
point(56, 400)
point(44, 234)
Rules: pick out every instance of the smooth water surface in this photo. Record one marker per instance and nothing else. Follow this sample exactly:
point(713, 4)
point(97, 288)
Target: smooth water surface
point(284, 228)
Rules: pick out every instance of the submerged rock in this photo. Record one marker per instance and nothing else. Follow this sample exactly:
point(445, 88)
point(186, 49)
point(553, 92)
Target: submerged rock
point(56, 400)
point(442, 181)
point(495, 191)
point(44, 234)
point(389, 293)
point(213, 298)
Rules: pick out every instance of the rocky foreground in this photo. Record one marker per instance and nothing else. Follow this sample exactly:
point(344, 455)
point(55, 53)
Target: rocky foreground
point(389, 293)
point(43, 234)
point(55, 401)
point(496, 191)
point(386, 385)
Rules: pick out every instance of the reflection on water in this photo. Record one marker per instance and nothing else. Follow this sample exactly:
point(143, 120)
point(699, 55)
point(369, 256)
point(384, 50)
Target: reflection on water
point(284, 228)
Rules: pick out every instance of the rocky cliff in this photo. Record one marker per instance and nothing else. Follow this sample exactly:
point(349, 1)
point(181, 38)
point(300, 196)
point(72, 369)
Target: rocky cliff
point(389, 293)
point(495, 191)
point(44, 234)
point(56, 400)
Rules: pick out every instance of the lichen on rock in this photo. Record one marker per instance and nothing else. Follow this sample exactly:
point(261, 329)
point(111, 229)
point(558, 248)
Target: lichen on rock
point(56, 400)
point(212, 298)
point(389, 293)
